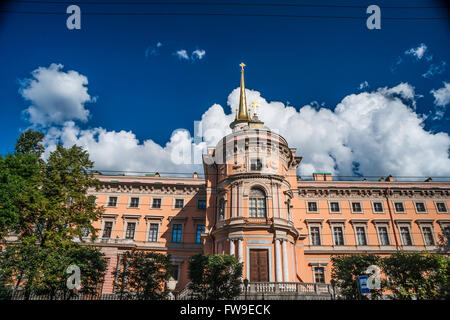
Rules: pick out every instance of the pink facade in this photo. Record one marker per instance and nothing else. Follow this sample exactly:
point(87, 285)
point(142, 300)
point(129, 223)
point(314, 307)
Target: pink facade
point(250, 203)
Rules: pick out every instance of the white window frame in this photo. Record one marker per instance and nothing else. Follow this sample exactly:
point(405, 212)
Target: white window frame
point(363, 225)
point(108, 217)
point(175, 200)
point(317, 206)
point(360, 204)
point(445, 204)
point(117, 202)
point(385, 224)
point(151, 203)
point(373, 206)
point(342, 226)
point(324, 273)
point(339, 205)
point(424, 204)
point(129, 202)
point(395, 209)
point(408, 225)
point(150, 219)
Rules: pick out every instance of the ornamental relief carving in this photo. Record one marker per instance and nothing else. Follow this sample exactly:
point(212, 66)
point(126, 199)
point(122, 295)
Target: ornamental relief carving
point(373, 193)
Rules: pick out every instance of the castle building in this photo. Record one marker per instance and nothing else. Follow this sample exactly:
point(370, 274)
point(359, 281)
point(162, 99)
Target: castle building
point(251, 204)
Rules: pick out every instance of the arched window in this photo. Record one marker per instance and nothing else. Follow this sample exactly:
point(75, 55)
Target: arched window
point(221, 210)
point(257, 203)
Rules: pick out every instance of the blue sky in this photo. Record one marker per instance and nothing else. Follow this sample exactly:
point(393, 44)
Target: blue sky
point(294, 61)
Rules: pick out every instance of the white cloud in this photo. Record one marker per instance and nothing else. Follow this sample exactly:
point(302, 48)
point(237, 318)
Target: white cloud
point(417, 52)
point(370, 133)
point(441, 100)
point(442, 95)
point(435, 69)
point(198, 54)
point(182, 54)
point(55, 96)
point(363, 85)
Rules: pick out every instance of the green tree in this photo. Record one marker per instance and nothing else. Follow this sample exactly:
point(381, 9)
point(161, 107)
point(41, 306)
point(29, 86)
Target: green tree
point(47, 205)
point(144, 275)
point(417, 275)
point(345, 271)
point(215, 277)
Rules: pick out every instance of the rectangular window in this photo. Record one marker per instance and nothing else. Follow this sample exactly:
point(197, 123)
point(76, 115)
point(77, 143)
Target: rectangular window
point(383, 236)
point(356, 207)
point(156, 204)
point(447, 234)
point(315, 236)
point(312, 206)
point(399, 207)
point(112, 202)
point(428, 236)
point(198, 233)
point(255, 165)
point(361, 236)
point(319, 274)
point(334, 206)
point(176, 233)
point(406, 236)
point(179, 203)
point(201, 204)
point(338, 236)
point(107, 229)
point(153, 232)
point(175, 269)
point(131, 228)
point(420, 207)
point(441, 207)
point(134, 203)
point(377, 207)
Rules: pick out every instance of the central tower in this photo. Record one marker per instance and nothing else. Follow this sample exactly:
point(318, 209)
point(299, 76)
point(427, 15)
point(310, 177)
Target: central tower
point(249, 177)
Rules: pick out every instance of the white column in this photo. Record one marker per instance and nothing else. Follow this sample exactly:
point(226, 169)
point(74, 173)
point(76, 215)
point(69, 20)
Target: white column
point(233, 200)
point(231, 247)
point(241, 200)
point(293, 264)
point(241, 250)
point(274, 202)
point(280, 203)
point(285, 262)
point(278, 275)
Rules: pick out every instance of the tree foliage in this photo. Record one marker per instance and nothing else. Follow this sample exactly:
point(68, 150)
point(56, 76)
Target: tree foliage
point(143, 275)
point(215, 277)
point(346, 269)
point(417, 275)
point(405, 275)
point(46, 206)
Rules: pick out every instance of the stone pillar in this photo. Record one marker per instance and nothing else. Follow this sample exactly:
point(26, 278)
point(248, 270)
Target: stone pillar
point(285, 262)
point(274, 201)
point(240, 206)
point(231, 247)
point(279, 277)
point(241, 249)
point(233, 200)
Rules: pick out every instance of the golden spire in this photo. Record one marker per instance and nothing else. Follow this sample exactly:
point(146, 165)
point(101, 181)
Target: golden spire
point(242, 113)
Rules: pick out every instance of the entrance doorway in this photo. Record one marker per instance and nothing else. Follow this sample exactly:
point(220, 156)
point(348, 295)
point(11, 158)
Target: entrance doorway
point(259, 265)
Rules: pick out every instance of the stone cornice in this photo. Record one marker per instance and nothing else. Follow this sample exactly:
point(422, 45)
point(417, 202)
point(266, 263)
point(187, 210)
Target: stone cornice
point(140, 187)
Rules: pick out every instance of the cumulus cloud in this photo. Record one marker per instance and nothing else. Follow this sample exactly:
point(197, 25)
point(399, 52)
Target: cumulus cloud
point(417, 52)
point(442, 95)
point(370, 133)
point(441, 100)
point(55, 96)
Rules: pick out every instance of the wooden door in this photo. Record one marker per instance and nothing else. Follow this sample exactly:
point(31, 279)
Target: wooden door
point(259, 265)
